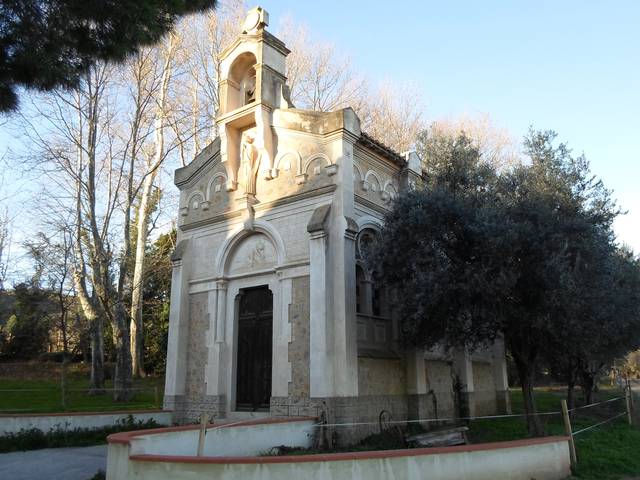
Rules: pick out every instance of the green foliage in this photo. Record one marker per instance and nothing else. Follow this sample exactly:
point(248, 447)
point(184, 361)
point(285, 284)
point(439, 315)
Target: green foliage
point(441, 251)
point(156, 296)
point(27, 330)
point(45, 44)
point(33, 439)
point(528, 254)
point(453, 163)
point(100, 475)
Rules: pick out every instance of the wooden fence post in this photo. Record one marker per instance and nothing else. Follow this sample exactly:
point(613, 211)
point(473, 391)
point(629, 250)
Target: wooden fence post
point(204, 419)
point(568, 432)
point(627, 399)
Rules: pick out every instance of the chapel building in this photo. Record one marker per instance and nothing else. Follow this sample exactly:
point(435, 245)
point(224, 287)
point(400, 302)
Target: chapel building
point(274, 310)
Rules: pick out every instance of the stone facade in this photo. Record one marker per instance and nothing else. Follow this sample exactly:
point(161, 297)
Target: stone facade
point(284, 202)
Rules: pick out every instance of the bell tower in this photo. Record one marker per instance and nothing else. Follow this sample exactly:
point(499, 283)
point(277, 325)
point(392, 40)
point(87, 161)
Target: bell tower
point(251, 86)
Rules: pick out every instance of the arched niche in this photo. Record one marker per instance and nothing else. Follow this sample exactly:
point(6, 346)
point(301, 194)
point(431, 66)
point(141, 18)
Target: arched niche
point(241, 82)
point(216, 185)
point(288, 161)
point(249, 251)
point(372, 181)
point(253, 253)
point(195, 200)
point(315, 163)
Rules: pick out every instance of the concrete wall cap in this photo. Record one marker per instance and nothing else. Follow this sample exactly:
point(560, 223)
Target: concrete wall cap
point(319, 219)
point(181, 247)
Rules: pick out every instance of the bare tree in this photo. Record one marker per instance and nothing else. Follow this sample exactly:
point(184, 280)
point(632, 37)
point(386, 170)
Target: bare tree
point(394, 115)
point(5, 246)
point(497, 145)
point(319, 78)
point(53, 255)
point(72, 144)
point(153, 162)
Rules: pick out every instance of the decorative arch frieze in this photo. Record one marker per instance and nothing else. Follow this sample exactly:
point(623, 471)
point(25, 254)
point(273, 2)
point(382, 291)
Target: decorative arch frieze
point(290, 159)
point(389, 191)
point(324, 163)
point(372, 182)
point(357, 172)
point(194, 201)
point(313, 158)
point(225, 255)
point(212, 187)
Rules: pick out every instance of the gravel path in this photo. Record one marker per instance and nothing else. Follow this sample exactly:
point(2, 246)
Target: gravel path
point(77, 463)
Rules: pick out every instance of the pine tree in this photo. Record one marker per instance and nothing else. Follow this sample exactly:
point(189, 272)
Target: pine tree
point(47, 44)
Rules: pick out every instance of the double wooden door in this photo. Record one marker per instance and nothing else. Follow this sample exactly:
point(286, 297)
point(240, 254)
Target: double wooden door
point(255, 334)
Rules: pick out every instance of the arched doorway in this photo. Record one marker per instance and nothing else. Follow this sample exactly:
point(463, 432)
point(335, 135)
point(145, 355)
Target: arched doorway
point(255, 338)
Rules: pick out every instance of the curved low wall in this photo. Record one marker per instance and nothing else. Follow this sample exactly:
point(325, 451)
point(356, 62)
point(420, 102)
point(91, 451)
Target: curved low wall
point(136, 455)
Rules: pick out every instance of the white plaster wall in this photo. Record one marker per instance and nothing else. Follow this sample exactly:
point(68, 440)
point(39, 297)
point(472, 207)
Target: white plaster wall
point(291, 223)
point(548, 461)
point(205, 247)
point(15, 423)
point(232, 441)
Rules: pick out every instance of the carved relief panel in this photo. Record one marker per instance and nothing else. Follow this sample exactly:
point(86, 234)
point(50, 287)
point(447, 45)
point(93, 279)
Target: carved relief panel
point(254, 253)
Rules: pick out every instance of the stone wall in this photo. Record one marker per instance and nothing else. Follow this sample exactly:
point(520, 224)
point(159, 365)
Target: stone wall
point(440, 387)
point(485, 388)
point(195, 402)
point(381, 376)
point(299, 345)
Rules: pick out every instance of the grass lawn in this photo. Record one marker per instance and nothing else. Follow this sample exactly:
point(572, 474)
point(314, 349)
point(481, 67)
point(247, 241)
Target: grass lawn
point(35, 388)
point(608, 452)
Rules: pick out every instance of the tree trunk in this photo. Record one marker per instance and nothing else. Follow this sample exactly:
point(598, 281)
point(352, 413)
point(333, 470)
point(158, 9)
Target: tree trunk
point(137, 327)
point(97, 355)
point(588, 389)
point(526, 373)
point(571, 400)
point(571, 378)
point(122, 378)
point(96, 332)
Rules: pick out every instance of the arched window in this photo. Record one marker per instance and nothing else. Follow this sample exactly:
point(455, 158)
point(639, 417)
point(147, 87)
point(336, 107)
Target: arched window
point(360, 288)
point(241, 82)
point(375, 325)
point(370, 296)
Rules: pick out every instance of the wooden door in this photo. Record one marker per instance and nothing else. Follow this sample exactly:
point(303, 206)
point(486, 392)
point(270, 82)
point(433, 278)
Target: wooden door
point(255, 339)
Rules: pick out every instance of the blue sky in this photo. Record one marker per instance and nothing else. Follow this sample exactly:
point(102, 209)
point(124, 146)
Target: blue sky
point(570, 66)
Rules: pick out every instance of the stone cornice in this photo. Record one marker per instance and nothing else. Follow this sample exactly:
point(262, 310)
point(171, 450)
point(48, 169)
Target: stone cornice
point(210, 221)
point(183, 176)
point(295, 197)
point(371, 205)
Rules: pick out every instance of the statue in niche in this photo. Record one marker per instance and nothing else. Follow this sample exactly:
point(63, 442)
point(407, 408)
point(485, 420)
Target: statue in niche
point(249, 86)
point(250, 157)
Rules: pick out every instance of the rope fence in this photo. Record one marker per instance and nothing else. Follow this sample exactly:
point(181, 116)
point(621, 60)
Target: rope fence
point(431, 420)
point(577, 432)
point(571, 433)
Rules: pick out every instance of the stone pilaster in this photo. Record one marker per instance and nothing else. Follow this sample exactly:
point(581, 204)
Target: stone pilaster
point(501, 379)
point(321, 334)
point(175, 377)
point(416, 384)
point(463, 367)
